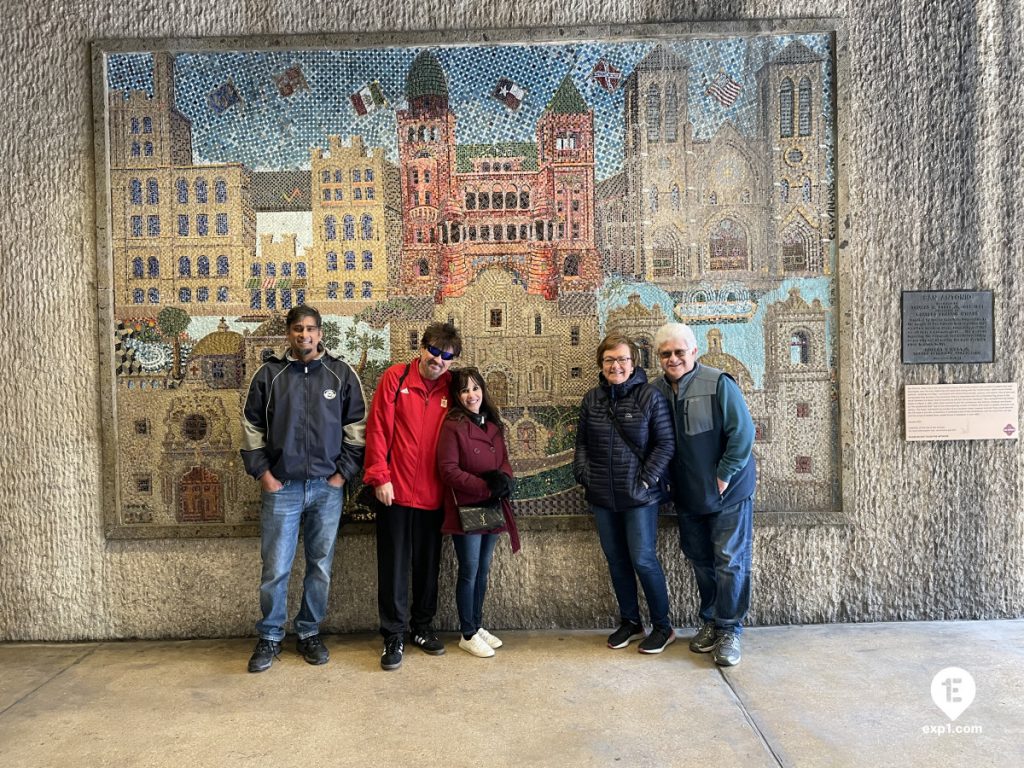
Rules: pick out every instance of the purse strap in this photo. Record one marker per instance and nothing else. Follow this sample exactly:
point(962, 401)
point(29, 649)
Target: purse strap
point(629, 443)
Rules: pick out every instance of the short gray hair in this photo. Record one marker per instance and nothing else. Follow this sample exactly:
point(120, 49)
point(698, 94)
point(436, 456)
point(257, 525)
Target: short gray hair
point(672, 332)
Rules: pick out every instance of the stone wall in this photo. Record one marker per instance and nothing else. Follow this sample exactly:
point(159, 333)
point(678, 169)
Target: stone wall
point(934, 119)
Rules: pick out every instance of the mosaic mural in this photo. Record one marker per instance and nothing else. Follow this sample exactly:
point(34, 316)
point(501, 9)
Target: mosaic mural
point(537, 195)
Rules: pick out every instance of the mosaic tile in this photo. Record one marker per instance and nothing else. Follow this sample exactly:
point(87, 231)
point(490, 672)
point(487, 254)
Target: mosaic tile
point(538, 195)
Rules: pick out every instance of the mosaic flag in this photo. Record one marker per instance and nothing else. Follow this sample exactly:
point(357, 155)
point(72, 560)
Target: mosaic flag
point(509, 94)
point(607, 75)
point(292, 196)
point(223, 97)
point(291, 80)
point(368, 99)
point(724, 89)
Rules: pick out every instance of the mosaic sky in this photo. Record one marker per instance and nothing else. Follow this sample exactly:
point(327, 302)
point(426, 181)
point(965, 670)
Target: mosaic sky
point(268, 131)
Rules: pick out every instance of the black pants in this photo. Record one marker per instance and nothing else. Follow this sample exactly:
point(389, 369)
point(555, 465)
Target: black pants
point(407, 536)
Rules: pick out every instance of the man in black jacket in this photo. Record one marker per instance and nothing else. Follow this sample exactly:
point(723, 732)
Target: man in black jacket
point(304, 426)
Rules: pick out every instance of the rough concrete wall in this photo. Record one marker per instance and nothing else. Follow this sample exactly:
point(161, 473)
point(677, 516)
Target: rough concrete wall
point(936, 530)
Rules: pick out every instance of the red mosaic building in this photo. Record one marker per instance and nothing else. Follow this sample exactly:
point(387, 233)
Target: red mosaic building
point(526, 208)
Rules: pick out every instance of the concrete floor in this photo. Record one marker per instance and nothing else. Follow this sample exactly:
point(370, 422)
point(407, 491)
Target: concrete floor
point(833, 695)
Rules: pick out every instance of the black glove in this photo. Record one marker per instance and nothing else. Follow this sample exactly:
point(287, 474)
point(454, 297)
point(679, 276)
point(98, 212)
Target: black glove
point(498, 483)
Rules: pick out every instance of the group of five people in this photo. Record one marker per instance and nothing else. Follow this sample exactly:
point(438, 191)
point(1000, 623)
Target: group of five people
point(434, 441)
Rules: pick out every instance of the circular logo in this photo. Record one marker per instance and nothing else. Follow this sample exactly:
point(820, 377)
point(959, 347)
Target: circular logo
point(330, 394)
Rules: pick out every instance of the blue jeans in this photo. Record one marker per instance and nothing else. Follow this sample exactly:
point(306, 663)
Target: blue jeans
point(316, 507)
point(719, 548)
point(629, 539)
point(474, 551)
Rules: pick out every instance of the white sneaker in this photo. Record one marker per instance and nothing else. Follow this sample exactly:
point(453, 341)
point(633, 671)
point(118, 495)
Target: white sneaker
point(488, 638)
point(476, 646)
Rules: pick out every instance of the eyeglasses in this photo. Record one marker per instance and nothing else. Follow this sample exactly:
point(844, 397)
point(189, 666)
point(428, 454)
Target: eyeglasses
point(666, 354)
point(613, 360)
point(444, 355)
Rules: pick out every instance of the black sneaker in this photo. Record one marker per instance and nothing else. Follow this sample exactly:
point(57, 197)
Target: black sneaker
point(313, 649)
point(625, 634)
point(392, 656)
point(427, 640)
point(659, 639)
point(264, 655)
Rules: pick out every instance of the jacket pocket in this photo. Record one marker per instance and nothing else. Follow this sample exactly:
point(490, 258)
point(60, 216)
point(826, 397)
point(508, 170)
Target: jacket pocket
point(698, 416)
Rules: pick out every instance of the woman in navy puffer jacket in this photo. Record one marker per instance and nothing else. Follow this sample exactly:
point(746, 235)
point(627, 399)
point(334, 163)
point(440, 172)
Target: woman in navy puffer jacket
point(620, 418)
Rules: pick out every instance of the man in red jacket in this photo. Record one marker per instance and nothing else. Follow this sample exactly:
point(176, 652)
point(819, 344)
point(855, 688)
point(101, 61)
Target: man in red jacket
point(409, 405)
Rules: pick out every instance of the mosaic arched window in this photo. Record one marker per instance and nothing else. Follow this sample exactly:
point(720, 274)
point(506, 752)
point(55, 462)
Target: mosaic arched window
point(147, 149)
point(255, 269)
point(135, 191)
point(805, 191)
point(153, 295)
point(350, 290)
point(367, 260)
point(332, 290)
point(367, 226)
point(804, 106)
point(202, 192)
point(350, 259)
point(222, 293)
point(330, 228)
point(800, 348)
point(671, 113)
point(222, 265)
point(367, 292)
point(138, 296)
point(220, 191)
point(350, 227)
point(728, 246)
point(571, 268)
point(203, 294)
point(137, 266)
point(185, 266)
point(300, 269)
point(786, 108)
point(147, 125)
point(783, 191)
point(184, 295)
point(653, 113)
point(423, 268)
point(794, 250)
point(154, 266)
point(182, 186)
point(203, 266)
point(152, 192)
point(676, 198)
point(524, 199)
point(332, 261)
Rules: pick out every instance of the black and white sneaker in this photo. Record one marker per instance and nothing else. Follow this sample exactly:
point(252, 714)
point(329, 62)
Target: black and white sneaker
point(659, 639)
point(393, 650)
point(427, 639)
point(627, 632)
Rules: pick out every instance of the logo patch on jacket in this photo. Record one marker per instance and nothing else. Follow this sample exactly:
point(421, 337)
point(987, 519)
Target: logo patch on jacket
point(330, 394)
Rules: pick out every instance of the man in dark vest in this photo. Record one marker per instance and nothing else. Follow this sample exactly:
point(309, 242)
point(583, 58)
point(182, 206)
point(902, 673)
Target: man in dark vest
point(713, 480)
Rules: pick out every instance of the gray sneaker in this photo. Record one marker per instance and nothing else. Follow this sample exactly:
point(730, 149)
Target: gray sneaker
point(704, 640)
point(727, 649)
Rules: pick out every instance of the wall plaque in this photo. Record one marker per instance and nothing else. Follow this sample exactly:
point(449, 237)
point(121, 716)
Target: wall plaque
point(961, 411)
point(948, 327)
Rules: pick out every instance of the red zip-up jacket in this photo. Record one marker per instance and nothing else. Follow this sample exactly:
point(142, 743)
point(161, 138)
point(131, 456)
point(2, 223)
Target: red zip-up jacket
point(409, 425)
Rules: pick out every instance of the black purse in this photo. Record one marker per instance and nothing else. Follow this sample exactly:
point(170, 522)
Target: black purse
point(480, 517)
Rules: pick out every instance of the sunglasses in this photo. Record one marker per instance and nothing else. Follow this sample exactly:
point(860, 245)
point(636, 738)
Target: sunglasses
point(668, 353)
point(438, 353)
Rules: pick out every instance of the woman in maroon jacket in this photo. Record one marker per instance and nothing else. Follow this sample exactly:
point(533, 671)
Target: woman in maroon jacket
point(473, 462)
